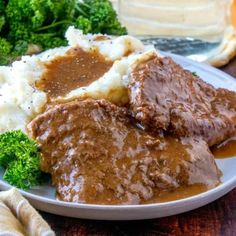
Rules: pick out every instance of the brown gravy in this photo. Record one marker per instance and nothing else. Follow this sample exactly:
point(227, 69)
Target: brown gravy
point(225, 149)
point(76, 69)
point(164, 95)
point(180, 193)
point(96, 154)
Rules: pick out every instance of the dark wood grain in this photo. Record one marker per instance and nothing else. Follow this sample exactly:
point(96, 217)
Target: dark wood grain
point(217, 218)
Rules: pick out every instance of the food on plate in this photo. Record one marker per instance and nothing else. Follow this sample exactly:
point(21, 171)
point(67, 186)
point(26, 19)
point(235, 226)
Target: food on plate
point(115, 121)
point(164, 95)
point(21, 100)
point(20, 157)
point(225, 149)
point(96, 154)
point(29, 26)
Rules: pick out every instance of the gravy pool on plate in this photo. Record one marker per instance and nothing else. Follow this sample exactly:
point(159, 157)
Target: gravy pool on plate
point(225, 149)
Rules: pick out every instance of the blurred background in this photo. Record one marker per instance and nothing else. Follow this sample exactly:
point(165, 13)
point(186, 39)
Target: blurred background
point(193, 28)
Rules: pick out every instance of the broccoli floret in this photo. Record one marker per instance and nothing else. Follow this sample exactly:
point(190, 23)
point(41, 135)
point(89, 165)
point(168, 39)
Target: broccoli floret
point(38, 13)
point(2, 14)
point(5, 51)
point(102, 16)
point(63, 9)
point(18, 12)
point(48, 40)
point(5, 47)
point(9, 53)
point(19, 32)
point(2, 22)
point(83, 24)
point(2, 6)
point(44, 22)
point(19, 155)
point(116, 29)
point(20, 48)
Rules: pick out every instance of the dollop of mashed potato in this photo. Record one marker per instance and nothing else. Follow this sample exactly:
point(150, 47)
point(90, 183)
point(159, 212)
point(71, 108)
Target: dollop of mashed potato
point(21, 101)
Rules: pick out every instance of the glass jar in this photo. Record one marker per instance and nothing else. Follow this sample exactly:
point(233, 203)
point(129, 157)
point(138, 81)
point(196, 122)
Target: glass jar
point(192, 28)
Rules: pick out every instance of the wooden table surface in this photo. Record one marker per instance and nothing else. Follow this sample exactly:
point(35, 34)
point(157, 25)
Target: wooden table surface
point(217, 218)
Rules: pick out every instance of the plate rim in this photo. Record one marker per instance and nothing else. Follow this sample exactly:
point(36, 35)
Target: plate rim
point(230, 184)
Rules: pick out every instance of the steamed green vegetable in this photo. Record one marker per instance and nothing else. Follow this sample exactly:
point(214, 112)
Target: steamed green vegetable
point(19, 156)
point(2, 16)
point(44, 22)
point(101, 15)
point(5, 51)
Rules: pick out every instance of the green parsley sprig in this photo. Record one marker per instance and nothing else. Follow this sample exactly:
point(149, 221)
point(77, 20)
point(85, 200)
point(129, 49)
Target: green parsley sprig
point(20, 158)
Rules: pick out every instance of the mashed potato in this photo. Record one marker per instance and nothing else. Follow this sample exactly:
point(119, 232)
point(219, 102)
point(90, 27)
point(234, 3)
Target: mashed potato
point(21, 101)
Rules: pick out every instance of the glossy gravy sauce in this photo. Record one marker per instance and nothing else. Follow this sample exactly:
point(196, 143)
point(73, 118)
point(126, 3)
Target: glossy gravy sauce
point(102, 158)
point(226, 149)
point(96, 154)
point(76, 69)
point(180, 193)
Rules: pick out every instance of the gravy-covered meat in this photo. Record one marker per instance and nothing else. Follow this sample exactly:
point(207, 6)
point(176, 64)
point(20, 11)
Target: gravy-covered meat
point(96, 155)
point(164, 95)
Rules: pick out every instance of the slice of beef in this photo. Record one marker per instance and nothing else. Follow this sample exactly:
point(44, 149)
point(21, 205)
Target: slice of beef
point(96, 155)
point(164, 95)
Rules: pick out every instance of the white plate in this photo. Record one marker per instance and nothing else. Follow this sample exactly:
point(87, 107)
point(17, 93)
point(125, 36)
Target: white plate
point(43, 197)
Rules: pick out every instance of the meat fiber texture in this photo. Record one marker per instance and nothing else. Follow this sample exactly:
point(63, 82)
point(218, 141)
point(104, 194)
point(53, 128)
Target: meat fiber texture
point(95, 154)
point(165, 96)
